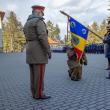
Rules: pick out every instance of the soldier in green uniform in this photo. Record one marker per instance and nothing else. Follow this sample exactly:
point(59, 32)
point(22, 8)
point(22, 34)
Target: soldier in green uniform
point(75, 66)
point(37, 50)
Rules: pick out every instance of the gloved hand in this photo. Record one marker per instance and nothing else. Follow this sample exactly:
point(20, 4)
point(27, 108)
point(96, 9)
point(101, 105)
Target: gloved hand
point(49, 55)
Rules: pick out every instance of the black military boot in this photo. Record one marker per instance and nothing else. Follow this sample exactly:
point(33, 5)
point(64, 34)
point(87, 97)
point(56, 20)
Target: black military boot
point(42, 98)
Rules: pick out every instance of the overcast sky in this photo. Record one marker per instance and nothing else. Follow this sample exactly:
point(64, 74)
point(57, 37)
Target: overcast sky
point(85, 11)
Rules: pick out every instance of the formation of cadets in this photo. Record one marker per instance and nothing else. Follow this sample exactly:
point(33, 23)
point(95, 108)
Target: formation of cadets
point(90, 48)
point(95, 48)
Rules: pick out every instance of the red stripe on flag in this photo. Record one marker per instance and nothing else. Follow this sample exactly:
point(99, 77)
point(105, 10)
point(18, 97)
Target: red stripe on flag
point(40, 81)
point(79, 53)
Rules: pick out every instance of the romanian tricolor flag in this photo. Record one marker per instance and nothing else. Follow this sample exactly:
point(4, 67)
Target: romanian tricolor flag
point(79, 34)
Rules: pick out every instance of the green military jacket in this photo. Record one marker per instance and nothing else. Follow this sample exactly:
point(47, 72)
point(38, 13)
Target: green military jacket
point(37, 46)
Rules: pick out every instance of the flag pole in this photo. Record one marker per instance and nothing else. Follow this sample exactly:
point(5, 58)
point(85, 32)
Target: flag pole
point(67, 27)
point(85, 26)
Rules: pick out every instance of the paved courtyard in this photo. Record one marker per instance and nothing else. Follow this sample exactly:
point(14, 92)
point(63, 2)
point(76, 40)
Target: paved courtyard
point(91, 93)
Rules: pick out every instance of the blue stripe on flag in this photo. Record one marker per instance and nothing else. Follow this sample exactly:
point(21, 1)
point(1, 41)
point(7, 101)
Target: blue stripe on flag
point(78, 28)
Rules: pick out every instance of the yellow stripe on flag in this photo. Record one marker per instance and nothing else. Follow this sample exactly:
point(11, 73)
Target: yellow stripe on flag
point(81, 44)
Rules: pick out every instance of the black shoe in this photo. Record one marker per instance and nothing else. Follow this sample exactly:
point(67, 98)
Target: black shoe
point(43, 97)
point(107, 77)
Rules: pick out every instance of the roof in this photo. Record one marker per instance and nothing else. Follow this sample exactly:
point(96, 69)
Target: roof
point(51, 41)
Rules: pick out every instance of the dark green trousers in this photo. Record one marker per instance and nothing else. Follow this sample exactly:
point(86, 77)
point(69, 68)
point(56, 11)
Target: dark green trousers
point(37, 79)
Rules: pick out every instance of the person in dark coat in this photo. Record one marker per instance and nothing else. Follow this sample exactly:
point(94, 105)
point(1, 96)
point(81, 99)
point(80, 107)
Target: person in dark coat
point(106, 41)
point(37, 50)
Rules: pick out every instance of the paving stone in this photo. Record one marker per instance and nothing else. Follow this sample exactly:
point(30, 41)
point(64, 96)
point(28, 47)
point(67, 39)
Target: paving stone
point(91, 93)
